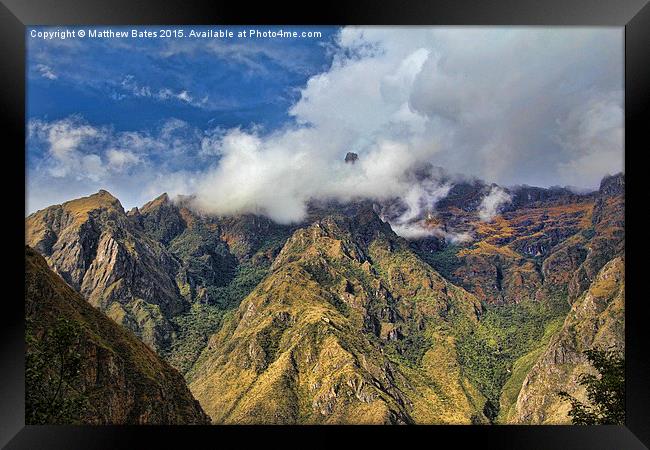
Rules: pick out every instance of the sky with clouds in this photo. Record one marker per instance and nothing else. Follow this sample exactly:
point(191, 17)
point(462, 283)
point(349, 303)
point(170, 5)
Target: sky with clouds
point(262, 125)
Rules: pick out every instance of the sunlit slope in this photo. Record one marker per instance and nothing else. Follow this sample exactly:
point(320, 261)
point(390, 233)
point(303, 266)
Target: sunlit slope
point(350, 326)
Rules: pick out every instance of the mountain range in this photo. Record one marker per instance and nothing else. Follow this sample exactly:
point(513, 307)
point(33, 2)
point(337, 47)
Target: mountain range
point(476, 319)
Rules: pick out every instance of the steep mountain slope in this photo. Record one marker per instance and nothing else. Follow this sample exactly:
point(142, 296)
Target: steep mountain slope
point(97, 250)
point(337, 319)
point(221, 259)
point(146, 269)
point(596, 320)
point(118, 379)
point(527, 265)
point(349, 327)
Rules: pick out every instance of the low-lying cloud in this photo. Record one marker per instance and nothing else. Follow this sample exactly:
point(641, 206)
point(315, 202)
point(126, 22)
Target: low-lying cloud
point(491, 203)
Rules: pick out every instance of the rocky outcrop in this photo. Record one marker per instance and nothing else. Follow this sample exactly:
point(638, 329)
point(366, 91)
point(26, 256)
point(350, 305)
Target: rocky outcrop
point(120, 380)
point(612, 185)
point(161, 219)
point(546, 242)
point(351, 157)
point(596, 320)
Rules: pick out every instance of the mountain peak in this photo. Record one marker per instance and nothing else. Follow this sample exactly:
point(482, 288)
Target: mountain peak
point(161, 200)
point(101, 200)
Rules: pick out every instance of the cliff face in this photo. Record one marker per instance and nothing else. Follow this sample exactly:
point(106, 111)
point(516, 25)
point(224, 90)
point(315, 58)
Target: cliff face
point(596, 320)
point(118, 379)
point(349, 327)
point(148, 266)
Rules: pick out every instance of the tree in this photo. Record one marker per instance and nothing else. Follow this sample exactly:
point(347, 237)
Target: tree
point(605, 391)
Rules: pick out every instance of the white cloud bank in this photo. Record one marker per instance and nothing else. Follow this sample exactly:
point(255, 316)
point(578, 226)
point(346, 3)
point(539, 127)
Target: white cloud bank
point(537, 106)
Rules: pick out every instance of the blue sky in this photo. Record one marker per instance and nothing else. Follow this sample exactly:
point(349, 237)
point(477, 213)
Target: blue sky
point(262, 124)
point(124, 81)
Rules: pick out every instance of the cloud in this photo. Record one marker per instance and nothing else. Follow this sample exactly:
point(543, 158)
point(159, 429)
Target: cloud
point(277, 175)
point(46, 72)
point(131, 86)
point(491, 203)
point(420, 230)
point(70, 158)
point(537, 106)
point(253, 56)
point(64, 138)
point(121, 159)
point(593, 134)
point(510, 105)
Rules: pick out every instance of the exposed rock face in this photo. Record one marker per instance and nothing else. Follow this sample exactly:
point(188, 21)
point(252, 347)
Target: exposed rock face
point(613, 185)
point(311, 343)
point(162, 220)
point(146, 267)
point(124, 381)
point(351, 157)
point(209, 249)
point(596, 320)
point(98, 251)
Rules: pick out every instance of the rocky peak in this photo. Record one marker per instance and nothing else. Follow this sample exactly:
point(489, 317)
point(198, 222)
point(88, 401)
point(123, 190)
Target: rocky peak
point(161, 200)
point(101, 200)
point(351, 157)
point(612, 185)
point(104, 254)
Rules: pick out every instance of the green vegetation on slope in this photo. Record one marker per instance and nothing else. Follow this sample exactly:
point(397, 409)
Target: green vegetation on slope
point(605, 391)
point(207, 262)
point(247, 276)
point(488, 352)
point(84, 368)
point(445, 261)
point(52, 371)
point(194, 327)
point(520, 369)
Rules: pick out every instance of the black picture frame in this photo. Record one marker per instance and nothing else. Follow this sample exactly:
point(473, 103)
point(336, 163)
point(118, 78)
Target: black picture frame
point(633, 15)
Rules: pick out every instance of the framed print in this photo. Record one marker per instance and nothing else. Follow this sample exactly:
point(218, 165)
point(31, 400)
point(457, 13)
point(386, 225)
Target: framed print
point(240, 221)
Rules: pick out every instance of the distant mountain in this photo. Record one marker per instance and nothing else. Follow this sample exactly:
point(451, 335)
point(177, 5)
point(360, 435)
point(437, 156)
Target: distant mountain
point(338, 319)
point(543, 243)
point(83, 368)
